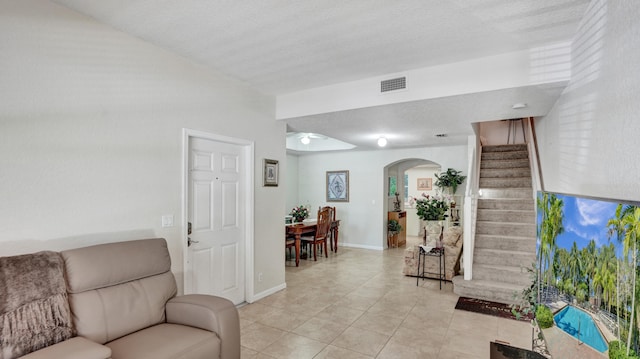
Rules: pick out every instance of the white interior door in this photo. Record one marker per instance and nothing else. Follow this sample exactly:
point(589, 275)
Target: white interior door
point(216, 258)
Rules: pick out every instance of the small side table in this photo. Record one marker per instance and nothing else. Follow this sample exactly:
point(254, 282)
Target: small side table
point(422, 257)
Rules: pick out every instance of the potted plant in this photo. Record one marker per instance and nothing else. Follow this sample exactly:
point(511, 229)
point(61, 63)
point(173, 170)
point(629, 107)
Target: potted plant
point(450, 179)
point(299, 213)
point(431, 208)
point(393, 228)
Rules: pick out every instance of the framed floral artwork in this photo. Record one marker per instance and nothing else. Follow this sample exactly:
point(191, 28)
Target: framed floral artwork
point(337, 186)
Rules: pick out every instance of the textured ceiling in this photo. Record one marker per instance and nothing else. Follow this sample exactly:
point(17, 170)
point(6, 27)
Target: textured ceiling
point(281, 46)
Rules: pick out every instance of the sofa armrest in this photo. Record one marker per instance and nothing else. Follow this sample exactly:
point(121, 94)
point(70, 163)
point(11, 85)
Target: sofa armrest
point(74, 348)
point(212, 313)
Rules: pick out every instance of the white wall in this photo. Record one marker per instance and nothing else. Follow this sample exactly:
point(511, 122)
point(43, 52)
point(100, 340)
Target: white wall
point(291, 174)
point(364, 217)
point(589, 141)
point(90, 137)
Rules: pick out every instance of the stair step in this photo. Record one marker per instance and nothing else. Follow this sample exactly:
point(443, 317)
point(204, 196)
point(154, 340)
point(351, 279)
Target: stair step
point(516, 182)
point(506, 229)
point(521, 163)
point(504, 155)
point(507, 203)
point(507, 274)
point(487, 290)
point(500, 215)
point(505, 148)
point(505, 173)
point(523, 244)
point(503, 257)
point(495, 193)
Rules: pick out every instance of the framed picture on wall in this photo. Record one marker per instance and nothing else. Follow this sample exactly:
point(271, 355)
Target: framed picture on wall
point(337, 186)
point(425, 184)
point(270, 173)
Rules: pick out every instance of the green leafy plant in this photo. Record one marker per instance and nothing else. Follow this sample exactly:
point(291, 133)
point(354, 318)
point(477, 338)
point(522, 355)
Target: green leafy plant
point(618, 350)
point(394, 227)
point(526, 300)
point(544, 316)
point(432, 208)
point(450, 179)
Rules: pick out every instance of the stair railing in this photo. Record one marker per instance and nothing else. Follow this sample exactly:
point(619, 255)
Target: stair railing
point(471, 205)
point(534, 158)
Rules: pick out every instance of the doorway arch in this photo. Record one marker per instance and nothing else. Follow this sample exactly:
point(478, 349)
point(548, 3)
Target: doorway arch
point(397, 170)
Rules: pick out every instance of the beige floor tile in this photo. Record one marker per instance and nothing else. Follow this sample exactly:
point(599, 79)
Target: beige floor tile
point(356, 301)
point(476, 342)
point(320, 329)
point(468, 321)
point(394, 350)
point(361, 340)
point(283, 319)
point(259, 336)
point(429, 339)
point(357, 304)
point(254, 312)
point(295, 347)
point(379, 323)
point(333, 352)
point(339, 314)
point(516, 333)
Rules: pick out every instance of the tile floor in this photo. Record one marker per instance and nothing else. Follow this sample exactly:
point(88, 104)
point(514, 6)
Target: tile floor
point(357, 304)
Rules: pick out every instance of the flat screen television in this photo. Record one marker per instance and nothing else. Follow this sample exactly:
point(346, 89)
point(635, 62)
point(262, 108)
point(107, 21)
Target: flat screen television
point(585, 254)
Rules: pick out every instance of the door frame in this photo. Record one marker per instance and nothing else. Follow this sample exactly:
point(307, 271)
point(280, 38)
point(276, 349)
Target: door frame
point(248, 152)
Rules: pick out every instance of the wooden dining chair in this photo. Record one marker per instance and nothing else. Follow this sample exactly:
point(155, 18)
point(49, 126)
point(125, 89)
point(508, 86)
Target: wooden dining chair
point(330, 238)
point(290, 242)
point(320, 237)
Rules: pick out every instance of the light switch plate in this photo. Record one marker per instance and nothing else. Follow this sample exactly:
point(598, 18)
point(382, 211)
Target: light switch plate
point(167, 221)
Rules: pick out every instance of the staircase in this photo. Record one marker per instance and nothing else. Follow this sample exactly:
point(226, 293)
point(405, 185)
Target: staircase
point(505, 242)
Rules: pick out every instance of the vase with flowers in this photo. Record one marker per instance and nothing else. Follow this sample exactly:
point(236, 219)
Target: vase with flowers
point(432, 210)
point(299, 213)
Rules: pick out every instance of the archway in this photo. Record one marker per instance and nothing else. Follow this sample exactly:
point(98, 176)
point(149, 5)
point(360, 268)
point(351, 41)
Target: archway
point(406, 175)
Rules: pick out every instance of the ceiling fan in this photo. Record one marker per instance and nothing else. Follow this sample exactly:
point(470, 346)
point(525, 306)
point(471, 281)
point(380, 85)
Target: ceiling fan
point(305, 137)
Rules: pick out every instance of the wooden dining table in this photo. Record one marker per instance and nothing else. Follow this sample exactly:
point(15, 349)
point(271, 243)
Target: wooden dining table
point(298, 229)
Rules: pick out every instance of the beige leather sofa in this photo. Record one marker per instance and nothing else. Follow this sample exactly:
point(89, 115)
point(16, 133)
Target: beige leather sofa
point(123, 303)
point(452, 240)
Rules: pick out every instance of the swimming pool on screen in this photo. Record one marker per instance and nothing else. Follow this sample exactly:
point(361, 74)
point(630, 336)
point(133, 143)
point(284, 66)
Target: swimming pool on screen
point(581, 326)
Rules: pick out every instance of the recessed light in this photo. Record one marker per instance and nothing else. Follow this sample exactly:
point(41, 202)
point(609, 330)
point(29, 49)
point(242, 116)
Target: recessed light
point(518, 105)
point(382, 141)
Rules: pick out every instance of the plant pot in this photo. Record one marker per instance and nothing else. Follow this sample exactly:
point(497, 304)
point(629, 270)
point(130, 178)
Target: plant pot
point(433, 229)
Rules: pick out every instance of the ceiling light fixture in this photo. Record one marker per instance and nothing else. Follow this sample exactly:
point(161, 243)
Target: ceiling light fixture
point(382, 141)
point(518, 105)
point(305, 140)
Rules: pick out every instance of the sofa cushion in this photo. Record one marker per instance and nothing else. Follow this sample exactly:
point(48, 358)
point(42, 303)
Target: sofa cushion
point(119, 288)
point(167, 341)
point(106, 314)
point(74, 348)
point(452, 236)
point(109, 264)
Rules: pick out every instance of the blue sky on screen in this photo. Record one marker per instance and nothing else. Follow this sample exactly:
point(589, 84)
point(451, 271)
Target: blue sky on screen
point(586, 219)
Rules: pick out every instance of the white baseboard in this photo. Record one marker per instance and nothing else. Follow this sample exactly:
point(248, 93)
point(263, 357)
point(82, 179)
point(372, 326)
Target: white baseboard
point(351, 245)
point(266, 293)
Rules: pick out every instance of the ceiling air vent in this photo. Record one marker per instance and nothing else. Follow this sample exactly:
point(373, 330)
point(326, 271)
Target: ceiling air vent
point(393, 84)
